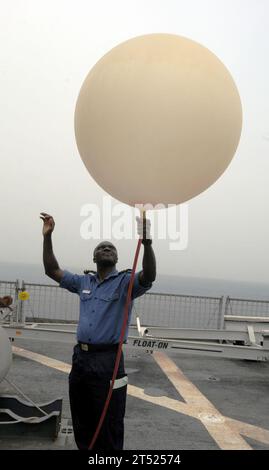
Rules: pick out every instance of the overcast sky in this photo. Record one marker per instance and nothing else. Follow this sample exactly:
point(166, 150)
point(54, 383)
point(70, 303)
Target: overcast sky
point(47, 49)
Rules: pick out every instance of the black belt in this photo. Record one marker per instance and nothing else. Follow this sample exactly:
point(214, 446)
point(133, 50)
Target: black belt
point(97, 347)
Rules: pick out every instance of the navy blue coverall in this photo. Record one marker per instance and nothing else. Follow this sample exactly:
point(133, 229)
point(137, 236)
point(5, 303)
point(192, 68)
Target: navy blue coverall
point(100, 322)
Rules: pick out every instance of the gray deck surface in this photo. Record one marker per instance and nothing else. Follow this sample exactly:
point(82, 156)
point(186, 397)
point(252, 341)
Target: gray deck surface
point(237, 389)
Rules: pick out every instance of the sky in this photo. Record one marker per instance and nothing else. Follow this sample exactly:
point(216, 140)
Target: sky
point(47, 49)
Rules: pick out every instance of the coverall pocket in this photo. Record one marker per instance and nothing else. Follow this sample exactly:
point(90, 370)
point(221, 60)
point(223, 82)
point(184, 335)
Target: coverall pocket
point(109, 297)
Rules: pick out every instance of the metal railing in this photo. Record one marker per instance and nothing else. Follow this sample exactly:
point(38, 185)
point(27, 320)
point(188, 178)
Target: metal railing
point(179, 311)
point(49, 303)
point(53, 304)
point(12, 289)
point(247, 308)
point(8, 288)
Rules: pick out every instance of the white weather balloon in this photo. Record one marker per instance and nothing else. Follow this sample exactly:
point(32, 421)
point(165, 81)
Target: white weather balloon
point(158, 120)
point(5, 354)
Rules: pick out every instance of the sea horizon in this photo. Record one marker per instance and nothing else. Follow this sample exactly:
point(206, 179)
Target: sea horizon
point(165, 284)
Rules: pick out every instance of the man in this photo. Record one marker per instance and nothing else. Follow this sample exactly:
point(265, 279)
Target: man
point(102, 299)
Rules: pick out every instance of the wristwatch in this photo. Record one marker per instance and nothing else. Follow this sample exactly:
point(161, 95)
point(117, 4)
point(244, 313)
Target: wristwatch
point(147, 241)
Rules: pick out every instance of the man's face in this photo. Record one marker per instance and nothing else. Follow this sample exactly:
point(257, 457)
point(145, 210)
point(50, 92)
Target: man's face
point(105, 254)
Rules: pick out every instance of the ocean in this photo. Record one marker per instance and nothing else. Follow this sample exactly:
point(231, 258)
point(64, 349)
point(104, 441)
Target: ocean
point(165, 284)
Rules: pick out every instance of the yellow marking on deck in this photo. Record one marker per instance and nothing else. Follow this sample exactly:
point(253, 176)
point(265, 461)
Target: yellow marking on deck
point(45, 360)
point(202, 409)
point(166, 402)
point(249, 430)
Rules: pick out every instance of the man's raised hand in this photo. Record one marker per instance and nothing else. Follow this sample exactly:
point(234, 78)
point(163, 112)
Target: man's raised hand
point(48, 223)
point(143, 229)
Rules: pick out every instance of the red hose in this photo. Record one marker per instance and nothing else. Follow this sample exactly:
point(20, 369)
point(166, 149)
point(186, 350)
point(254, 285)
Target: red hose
point(124, 325)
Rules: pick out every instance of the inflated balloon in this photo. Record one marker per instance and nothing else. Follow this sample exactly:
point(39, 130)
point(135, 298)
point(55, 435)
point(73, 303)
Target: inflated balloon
point(158, 120)
point(5, 354)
